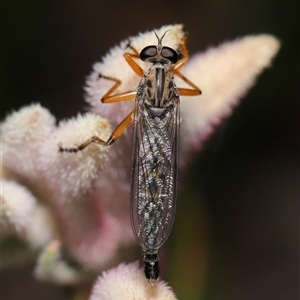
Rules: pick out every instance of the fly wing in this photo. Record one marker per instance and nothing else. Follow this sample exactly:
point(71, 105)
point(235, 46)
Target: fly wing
point(154, 176)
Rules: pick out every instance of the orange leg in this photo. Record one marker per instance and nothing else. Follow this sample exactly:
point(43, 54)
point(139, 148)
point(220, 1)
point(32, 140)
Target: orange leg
point(175, 69)
point(129, 57)
point(94, 139)
point(133, 64)
point(109, 98)
point(185, 57)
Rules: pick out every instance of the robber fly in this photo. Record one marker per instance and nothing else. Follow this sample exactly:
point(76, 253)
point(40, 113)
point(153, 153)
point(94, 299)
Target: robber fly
point(156, 121)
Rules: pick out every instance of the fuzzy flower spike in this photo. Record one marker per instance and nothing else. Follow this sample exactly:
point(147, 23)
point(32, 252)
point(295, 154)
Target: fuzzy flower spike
point(71, 209)
point(126, 282)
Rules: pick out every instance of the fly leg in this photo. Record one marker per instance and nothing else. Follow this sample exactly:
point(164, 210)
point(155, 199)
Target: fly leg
point(194, 91)
point(110, 97)
point(107, 98)
point(129, 57)
point(95, 139)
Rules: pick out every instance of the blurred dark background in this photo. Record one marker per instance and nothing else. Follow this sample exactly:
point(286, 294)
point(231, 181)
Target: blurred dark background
point(236, 233)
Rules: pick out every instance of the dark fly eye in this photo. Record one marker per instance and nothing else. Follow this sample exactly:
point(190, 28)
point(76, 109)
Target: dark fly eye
point(149, 51)
point(169, 54)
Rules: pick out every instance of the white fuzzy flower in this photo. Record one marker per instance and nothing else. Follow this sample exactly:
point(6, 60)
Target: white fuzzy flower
point(30, 142)
point(23, 134)
point(42, 228)
point(224, 73)
point(23, 215)
point(26, 225)
point(17, 205)
point(126, 282)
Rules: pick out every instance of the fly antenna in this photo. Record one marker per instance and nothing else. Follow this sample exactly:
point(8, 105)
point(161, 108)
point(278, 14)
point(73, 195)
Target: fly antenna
point(160, 39)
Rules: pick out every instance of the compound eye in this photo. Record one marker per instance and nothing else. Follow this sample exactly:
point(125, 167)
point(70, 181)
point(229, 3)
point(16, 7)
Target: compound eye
point(147, 52)
point(169, 54)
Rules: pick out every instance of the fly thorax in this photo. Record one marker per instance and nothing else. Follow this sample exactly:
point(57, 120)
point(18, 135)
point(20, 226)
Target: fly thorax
point(159, 90)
